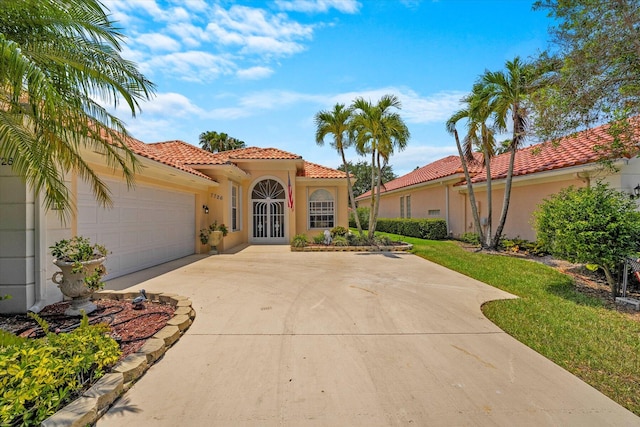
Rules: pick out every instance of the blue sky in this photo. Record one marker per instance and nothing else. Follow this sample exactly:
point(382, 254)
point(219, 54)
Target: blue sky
point(261, 70)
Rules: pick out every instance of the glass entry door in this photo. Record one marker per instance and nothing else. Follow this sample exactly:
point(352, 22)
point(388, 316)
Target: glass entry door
point(268, 212)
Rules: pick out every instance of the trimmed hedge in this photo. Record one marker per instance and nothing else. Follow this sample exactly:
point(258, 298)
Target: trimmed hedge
point(421, 228)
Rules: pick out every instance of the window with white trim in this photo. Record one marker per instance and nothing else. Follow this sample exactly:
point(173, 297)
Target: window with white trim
point(235, 207)
point(321, 210)
point(407, 200)
point(401, 206)
point(433, 212)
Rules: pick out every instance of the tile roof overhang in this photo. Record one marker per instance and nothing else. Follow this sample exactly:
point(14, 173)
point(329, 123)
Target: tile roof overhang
point(195, 160)
point(568, 152)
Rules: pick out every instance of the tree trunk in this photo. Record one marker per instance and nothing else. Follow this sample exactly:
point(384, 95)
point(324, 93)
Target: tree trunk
point(487, 163)
point(472, 197)
point(350, 189)
point(373, 193)
point(507, 198)
point(378, 188)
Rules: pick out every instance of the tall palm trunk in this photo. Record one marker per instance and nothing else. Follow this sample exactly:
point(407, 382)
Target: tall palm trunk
point(378, 189)
point(472, 197)
point(517, 135)
point(487, 165)
point(350, 189)
point(373, 195)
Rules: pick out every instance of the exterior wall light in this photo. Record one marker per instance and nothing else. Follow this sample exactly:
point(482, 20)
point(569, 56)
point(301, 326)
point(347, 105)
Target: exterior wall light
point(205, 208)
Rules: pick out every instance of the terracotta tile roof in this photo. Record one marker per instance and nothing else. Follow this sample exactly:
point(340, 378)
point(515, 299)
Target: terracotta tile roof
point(312, 170)
point(185, 153)
point(257, 153)
point(442, 168)
point(146, 150)
point(574, 150)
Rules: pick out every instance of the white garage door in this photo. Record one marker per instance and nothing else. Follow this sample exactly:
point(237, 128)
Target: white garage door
point(145, 227)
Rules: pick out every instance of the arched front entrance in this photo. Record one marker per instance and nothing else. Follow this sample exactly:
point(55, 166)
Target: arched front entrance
point(268, 212)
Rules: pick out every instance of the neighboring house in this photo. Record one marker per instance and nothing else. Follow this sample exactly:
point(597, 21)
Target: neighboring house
point(438, 190)
point(263, 196)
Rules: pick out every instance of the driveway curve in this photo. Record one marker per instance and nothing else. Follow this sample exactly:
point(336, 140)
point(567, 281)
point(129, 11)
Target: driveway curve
point(348, 339)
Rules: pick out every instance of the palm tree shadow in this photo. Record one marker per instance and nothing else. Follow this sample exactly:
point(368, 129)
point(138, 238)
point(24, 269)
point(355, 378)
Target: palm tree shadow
point(569, 292)
point(123, 406)
point(385, 254)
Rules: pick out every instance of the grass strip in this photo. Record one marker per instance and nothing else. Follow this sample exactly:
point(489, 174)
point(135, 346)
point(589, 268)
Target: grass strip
point(576, 331)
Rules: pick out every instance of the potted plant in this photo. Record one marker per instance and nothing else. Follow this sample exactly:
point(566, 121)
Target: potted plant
point(213, 235)
point(82, 271)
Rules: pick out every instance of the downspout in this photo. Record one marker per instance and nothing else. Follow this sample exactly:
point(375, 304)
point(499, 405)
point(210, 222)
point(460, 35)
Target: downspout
point(40, 255)
point(446, 208)
point(584, 177)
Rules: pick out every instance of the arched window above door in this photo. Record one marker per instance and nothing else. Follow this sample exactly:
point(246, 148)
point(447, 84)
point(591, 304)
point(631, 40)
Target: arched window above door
point(268, 189)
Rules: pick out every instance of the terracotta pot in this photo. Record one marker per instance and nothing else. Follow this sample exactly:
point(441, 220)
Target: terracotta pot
point(72, 285)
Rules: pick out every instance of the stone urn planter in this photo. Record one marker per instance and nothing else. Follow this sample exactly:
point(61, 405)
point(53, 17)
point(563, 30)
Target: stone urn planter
point(214, 240)
point(73, 285)
point(81, 267)
point(213, 236)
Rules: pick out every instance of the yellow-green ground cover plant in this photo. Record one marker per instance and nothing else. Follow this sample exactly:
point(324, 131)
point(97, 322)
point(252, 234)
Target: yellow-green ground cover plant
point(40, 376)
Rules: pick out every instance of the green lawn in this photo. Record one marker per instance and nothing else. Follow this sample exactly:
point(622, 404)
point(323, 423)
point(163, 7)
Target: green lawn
point(598, 345)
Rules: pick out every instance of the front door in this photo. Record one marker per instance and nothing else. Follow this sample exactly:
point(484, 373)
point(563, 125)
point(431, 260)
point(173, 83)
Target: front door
point(268, 212)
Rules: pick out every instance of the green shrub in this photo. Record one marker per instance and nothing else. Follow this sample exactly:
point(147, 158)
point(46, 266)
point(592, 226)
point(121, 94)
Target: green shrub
point(434, 229)
point(596, 225)
point(340, 241)
point(421, 228)
point(300, 241)
point(383, 241)
point(39, 376)
point(318, 239)
point(363, 214)
point(339, 231)
point(471, 238)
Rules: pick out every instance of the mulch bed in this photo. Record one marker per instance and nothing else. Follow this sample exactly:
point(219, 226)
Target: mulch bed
point(130, 326)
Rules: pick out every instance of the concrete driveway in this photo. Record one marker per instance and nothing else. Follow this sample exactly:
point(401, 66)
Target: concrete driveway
point(347, 339)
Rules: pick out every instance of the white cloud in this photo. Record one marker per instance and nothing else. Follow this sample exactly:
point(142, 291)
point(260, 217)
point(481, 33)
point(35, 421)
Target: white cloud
point(196, 66)
point(171, 104)
point(156, 42)
point(254, 73)
point(315, 6)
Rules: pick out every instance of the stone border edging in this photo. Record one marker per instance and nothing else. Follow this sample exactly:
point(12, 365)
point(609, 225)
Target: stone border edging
point(95, 402)
point(321, 248)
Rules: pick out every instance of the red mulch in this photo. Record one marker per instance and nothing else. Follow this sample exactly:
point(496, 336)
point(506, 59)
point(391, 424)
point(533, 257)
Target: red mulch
point(129, 326)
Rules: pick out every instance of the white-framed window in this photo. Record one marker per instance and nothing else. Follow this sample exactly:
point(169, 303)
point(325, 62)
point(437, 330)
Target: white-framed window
point(236, 218)
point(407, 200)
point(433, 212)
point(401, 206)
point(321, 210)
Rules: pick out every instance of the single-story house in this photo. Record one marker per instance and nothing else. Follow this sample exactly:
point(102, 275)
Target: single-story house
point(263, 196)
point(439, 190)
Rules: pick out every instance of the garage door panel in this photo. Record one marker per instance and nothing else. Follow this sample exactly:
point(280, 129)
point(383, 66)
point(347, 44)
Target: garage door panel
point(146, 226)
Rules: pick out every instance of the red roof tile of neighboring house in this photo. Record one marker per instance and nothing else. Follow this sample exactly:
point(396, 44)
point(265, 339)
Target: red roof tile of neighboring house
point(448, 166)
point(312, 170)
point(574, 150)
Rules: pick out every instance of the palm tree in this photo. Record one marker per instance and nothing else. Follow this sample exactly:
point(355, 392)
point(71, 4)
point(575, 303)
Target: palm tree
point(336, 122)
point(216, 142)
point(507, 94)
point(480, 136)
point(378, 131)
point(57, 58)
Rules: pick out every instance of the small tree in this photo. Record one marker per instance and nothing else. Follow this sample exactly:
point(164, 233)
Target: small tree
point(596, 225)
